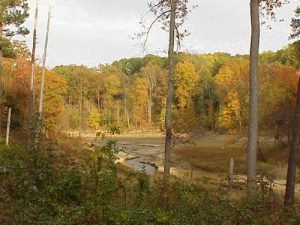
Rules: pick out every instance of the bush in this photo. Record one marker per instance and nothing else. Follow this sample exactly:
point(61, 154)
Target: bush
point(114, 130)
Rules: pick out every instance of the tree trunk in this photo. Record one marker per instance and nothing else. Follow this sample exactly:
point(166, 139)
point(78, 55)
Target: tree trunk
point(126, 114)
point(128, 119)
point(38, 131)
point(253, 100)
point(44, 66)
point(98, 99)
point(31, 93)
point(109, 118)
point(1, 73)
point(8, 126)
point(80, 106)
point(31, 90)
point(168, 120)
point(118, 113)
point(292, 166)
point(150, 104)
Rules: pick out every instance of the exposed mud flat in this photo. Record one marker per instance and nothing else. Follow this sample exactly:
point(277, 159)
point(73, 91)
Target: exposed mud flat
point(146, 153)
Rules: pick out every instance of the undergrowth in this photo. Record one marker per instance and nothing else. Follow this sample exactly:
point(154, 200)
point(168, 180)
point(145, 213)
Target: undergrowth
point(41, 187)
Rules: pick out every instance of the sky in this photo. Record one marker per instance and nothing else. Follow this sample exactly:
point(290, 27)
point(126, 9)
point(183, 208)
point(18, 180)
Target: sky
point(93, 32)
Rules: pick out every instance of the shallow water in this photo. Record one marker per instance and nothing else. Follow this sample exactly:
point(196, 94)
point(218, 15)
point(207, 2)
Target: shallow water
point(138, 166)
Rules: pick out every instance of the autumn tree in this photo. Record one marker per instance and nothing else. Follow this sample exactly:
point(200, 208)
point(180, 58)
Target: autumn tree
point(289, 55)
point(140, 102)
point(154, 75)
point(82, 91)
point(55, 88)
point(278, 85)
point(13, 14)
point(94, 119)
point(204, 96)
point(16, 80)
point(15, 85)
point(185, 83)
point(231, 88)
point(112, 94)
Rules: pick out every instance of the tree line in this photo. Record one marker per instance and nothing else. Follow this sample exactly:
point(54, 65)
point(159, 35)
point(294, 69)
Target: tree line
point(210, 91)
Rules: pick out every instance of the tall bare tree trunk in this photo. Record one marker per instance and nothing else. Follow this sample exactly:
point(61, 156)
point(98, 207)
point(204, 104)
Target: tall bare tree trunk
point(80, 106)
point(8, 126)
point(98, 99)
point(150, 104)
point(31, 91)
point(292, 166)
point(44, 66)
point(38, 131)
point(253, 100)
point(118, 113)
point(126, 114)
point(1, 73)
point(127, 119)
point(168, 120)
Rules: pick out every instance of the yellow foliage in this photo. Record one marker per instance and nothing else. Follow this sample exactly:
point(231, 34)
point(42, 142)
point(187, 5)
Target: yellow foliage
point(94, 119)
point(141, 90)
point(232, 89)
point(185, 81)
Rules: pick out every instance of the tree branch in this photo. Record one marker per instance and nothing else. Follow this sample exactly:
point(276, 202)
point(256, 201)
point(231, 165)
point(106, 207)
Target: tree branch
point(150, 27)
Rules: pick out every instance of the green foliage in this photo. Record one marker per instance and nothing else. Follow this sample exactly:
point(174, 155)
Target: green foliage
point(295, 24)
point(8, 49)
point(114, 130)
point(295, 221)
point(133, 66)
point(13, 14)
point(74, 121)
point(44, 187)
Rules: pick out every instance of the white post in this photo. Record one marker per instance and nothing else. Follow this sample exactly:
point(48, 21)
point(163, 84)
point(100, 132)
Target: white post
point(8, 126)
point(230, 171)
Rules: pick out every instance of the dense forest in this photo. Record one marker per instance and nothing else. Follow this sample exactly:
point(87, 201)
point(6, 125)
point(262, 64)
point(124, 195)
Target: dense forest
point(210, 92)
point(54, 169)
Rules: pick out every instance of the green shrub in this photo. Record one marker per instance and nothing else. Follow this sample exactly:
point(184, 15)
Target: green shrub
point(41, 187)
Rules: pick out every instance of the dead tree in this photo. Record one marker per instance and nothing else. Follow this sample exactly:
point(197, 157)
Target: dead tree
point(292, 165)
point(31, 90)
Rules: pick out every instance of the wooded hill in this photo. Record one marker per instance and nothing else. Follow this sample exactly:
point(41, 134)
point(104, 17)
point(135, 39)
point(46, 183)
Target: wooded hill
point(210, 92)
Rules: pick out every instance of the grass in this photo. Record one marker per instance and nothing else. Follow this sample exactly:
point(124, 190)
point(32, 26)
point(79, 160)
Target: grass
point(211, 159)
point(216, 159)
point(213, 162)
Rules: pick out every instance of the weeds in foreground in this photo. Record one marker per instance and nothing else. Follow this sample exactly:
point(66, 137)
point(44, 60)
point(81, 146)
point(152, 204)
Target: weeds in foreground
point(41, 187)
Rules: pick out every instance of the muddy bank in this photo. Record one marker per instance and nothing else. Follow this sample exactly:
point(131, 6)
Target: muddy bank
point(147, 154)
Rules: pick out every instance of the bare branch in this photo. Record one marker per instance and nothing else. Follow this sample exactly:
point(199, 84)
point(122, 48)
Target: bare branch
point(150, 27)
point(178, 37)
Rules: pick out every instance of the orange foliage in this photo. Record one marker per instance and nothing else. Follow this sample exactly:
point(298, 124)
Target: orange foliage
point(16, 81)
